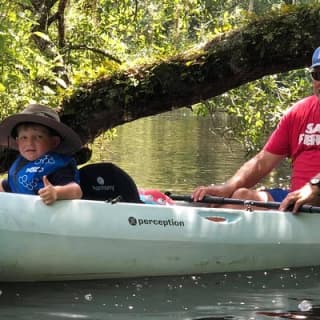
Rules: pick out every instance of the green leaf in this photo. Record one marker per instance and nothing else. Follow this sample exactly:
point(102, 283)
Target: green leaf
point(2, 87)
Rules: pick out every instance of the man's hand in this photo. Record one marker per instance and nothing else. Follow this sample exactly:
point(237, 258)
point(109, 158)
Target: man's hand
point(219, 190)
point(308, 194)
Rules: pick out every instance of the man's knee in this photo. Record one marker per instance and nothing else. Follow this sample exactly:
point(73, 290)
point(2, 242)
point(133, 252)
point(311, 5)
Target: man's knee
point(242, 193)
point(249, 194)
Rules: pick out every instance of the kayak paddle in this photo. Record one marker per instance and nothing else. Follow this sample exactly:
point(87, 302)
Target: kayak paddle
point(245, 203)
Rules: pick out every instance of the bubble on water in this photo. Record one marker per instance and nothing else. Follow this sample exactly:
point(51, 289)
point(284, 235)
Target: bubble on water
point(305, 305)
point(170, 286)
point(88, 297)
point(139, 286)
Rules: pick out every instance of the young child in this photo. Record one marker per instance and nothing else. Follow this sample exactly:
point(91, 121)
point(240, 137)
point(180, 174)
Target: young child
point(45, 165)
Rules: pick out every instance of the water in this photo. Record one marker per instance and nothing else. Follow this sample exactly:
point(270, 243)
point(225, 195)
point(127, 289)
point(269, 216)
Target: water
point(177, 151)
point(174, 152)
point(282, 294)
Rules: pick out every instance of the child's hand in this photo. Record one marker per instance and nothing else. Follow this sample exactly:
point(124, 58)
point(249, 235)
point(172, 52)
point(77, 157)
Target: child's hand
point(48, 193)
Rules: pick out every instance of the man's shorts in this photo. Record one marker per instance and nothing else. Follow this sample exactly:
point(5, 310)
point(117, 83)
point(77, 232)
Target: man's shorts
point(278, 194)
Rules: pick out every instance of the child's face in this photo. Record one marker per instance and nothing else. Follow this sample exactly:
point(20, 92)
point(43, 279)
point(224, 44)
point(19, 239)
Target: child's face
point(35, 140)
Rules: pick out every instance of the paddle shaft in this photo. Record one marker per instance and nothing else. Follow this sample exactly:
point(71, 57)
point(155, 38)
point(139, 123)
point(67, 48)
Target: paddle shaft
point(245, 203)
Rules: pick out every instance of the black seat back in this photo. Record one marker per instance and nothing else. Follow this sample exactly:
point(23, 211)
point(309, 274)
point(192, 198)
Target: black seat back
point(106, 181)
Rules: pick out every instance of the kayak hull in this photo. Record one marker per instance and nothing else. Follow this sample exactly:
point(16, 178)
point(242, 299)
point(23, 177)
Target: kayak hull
point(82, 240)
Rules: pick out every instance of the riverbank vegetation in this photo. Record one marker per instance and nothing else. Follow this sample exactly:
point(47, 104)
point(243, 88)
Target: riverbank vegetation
point(108, 62)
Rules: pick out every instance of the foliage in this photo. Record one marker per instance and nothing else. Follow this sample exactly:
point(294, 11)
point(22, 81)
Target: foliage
point(50, 48)
point(13, 62)
point(256, 107)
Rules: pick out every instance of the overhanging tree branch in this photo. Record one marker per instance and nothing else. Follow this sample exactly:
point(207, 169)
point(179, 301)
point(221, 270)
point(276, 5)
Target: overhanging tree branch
point(273, 45)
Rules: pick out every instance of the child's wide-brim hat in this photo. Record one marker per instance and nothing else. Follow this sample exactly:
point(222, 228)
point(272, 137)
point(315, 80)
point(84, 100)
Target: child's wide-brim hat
point(43, 115)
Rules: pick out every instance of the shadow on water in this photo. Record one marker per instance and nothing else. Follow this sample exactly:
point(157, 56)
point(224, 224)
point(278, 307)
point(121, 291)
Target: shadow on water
point(281, 294)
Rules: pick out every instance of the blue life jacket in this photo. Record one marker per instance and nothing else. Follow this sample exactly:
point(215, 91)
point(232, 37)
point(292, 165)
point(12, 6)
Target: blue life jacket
point(26, 176)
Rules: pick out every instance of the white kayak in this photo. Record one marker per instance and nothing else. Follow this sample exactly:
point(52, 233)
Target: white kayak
point(84, 239)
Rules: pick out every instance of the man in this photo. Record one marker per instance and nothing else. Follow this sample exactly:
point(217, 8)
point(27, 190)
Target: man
point(297, 137)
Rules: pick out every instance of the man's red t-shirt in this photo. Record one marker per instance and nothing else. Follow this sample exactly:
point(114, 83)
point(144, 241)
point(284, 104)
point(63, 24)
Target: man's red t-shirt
point(297, 136)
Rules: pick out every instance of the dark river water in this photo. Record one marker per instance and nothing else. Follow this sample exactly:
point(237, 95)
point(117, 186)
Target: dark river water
point(172, 152)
